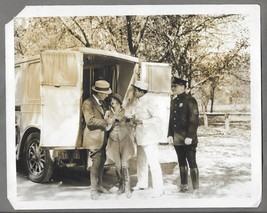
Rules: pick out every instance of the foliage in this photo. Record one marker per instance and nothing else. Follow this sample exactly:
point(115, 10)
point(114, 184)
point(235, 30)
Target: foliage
point(204, 49)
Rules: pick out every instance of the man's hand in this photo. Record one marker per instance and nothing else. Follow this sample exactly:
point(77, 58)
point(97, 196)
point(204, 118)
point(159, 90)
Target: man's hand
point(110, 121)
point(188, 141)
point(170, 140)
point(137, 122)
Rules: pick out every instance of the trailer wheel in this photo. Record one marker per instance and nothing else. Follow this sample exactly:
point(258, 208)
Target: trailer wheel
point(37, 161)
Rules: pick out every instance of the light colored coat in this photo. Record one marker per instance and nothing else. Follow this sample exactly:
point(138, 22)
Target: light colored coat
point(120, 147)
point(94, 132)
point(147, 140)
point(146, 111)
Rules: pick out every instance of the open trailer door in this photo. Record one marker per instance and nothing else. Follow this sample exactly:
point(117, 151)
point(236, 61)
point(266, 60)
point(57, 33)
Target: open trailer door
point(158, 76)
point(60, 99)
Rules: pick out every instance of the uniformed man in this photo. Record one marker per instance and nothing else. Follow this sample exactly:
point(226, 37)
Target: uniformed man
point(182, 133)
point(146, 119)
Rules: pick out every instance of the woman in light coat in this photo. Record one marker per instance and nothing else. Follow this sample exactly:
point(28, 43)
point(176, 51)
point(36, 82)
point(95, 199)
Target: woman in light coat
point(120, 147)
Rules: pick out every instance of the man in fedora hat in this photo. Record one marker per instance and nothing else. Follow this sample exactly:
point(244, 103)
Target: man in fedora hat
point(95, 134)
point(146, 121)
point(182, 132)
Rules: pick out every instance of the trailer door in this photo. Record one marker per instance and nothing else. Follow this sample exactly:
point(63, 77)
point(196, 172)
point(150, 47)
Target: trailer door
point(158, 76)
point(61, 97)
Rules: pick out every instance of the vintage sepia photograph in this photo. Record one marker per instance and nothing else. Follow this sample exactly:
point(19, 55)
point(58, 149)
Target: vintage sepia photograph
point(152, 106)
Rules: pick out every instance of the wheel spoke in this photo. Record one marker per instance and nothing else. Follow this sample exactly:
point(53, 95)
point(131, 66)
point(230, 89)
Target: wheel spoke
point(31, 165)
point(32, 161)
point(35, 168)
point(42, 160)
point(36, 147)
point(32, 147)
point(40, 167)
point(30, 152)
point(42, 164)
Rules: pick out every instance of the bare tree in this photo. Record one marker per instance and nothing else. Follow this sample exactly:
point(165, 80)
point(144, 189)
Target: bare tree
point(75, 29)
point(197, 46)
point(140, 30)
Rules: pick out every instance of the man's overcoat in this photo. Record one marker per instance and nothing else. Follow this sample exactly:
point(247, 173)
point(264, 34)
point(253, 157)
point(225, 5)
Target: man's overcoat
point(94, 132)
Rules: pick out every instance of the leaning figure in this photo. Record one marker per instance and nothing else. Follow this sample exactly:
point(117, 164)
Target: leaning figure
point(120, 147)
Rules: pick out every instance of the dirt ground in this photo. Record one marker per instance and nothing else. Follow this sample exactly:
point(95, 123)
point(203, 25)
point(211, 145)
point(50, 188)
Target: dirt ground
point(224, 161)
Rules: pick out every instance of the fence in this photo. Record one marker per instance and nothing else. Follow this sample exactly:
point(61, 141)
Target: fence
point(227, 117)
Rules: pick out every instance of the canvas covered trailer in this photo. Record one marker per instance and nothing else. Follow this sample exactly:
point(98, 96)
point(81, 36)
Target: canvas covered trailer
point(50, 90)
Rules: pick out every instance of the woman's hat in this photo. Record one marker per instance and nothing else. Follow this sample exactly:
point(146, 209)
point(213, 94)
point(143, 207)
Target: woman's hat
point(141, 85)
point(102, 86)
point(117, 97)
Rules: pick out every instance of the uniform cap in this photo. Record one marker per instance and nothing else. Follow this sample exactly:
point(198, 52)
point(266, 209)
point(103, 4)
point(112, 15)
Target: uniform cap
point(141, 85)
point(179, 81)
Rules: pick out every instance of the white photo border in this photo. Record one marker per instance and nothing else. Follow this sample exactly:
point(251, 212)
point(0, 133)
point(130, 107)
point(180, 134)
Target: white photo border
point(82, 10)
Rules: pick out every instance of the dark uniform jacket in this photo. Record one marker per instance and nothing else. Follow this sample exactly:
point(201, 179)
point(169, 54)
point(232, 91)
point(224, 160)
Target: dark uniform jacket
point(183, 119)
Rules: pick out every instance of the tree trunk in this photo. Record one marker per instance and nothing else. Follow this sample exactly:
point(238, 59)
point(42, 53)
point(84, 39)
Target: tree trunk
point(212, 98)
point(129, 34)
point(214, 83)
point(189, 75)
point(134, 43)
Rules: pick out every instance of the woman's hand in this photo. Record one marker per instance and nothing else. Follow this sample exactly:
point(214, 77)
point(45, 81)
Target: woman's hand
point(110, 120)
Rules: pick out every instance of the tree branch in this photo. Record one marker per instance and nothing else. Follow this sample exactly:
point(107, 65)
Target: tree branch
point(140, 34)
point(87, 44)
point(73, 33)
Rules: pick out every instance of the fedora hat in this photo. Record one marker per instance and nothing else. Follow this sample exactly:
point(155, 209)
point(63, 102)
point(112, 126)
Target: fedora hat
point(179, 81)
point(141, 85)
point(117, 97)
point(102, 86)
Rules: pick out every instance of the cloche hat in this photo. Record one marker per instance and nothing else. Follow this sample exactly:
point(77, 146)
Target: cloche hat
point(117, 97)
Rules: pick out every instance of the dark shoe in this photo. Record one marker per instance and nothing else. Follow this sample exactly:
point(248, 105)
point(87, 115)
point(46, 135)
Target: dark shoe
point(94, 195)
